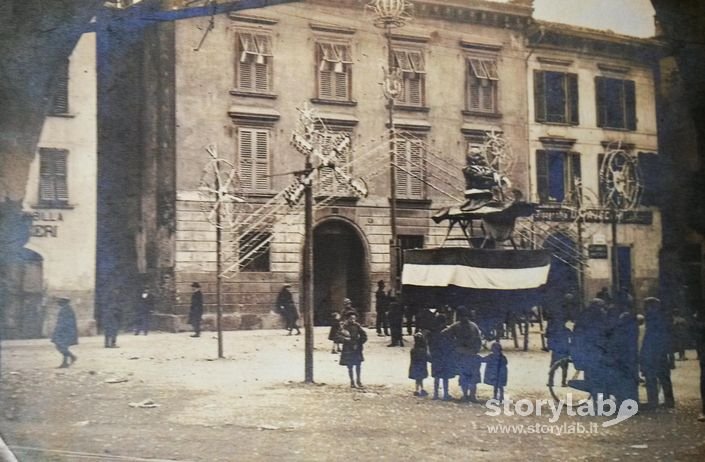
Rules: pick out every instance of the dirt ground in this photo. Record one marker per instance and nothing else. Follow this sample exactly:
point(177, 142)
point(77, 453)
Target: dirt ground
point(253, 406)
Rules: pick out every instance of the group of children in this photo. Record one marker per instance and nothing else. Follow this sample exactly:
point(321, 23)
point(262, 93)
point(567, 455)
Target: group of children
point(454, 351)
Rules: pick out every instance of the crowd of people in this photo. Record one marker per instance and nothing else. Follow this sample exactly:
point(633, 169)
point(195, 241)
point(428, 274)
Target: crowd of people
point(604, 340)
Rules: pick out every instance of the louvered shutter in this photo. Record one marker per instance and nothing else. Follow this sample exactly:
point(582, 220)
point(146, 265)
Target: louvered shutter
point(473, 91)
point(486, 95)
point(416, 166)
point(652, 168)
point(630, 104)
point(325, 84)
point(600, 101)
point(573, 100)
point(60, 101)
point(60, 176)
point(261, 77)
point(46, 177)
point(246, 151)
point(415, 95)
point(539, 96)
point(262, 160)
point(245, 76)
point(341, 84)
point(542, 175)
point(402, 178)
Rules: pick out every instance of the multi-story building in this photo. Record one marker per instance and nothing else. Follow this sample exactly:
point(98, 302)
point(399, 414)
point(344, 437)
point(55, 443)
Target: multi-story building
point(59, 259)
point(237, 83)
point(592, 93)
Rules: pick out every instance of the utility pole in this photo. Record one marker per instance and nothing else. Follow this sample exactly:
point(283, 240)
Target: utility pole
point(307, 288)
point(390, 14)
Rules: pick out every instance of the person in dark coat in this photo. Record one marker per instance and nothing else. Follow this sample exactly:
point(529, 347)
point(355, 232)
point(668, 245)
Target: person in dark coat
point(623, 357)
point(65, 333)
point(424, 320)
point(440, 347)
point(654, 354)
point(145, 306)
point(381, 307)
point(353, 337)
point(467, 341)
point(418, 366)
point(195, 314)
point(396, 320)
point(496, 371)
point(110, 319)
point(285, 303)
point(335, 322)
point(589, 344)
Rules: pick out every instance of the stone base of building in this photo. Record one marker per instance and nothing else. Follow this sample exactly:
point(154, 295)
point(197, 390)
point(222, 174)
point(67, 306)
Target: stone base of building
point(229, 321)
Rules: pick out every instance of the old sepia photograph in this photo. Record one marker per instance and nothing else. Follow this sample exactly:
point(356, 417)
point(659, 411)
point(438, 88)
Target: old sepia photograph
point(352, 230)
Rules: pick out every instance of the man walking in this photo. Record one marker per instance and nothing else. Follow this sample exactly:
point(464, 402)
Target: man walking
point(65, 332)
point(196, 312)
point(285, 304)
point(381, 307)
point(655, 364)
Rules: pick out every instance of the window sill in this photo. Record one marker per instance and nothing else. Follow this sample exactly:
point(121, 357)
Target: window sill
point(407, 108)
point(253, 94)
point(492, 115)
point(258, 197)
point(617, 129)
point(52, 205)
point(334, 102)
point(413, 203)
point(560, 124)
point(63, 115)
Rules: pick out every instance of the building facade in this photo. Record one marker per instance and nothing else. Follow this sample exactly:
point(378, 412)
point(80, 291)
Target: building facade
point(592, 93)
point(59, 259)
point(236, 85)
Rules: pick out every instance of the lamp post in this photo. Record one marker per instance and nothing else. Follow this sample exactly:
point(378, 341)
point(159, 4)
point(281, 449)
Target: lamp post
point(391, 14)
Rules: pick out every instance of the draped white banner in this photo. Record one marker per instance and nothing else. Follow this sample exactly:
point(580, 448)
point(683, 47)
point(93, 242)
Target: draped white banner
point(473, 277)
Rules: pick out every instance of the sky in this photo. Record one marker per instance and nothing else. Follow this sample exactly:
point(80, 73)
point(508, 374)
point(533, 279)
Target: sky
point(628, 17)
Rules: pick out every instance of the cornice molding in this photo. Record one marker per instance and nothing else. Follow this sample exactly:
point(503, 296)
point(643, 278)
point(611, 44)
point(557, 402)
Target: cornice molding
point(252, 19)
point(477, 46)
point(331, 28)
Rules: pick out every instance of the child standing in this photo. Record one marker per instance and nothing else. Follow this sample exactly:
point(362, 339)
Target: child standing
point(418, 369)
point(333, 333)
point(496, 371)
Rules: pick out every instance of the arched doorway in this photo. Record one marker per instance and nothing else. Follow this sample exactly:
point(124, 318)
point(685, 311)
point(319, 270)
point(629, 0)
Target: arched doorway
point(339, 270)
point(24, 314)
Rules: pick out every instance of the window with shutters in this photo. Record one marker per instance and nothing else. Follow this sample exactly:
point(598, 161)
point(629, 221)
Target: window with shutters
point(53, 186)
point(413, 85)
point(556, 172)
point(332, 180)
point(556, 97)
point(253, 159)
point(60, 99)
point(482, 85)
point(253, 69)
point(254, 252)
point(616, 103)
point(334, 71)
point(411, 168)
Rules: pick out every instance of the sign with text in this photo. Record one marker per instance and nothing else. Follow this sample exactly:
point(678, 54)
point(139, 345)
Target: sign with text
point(597, 251)
point(596, 215)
